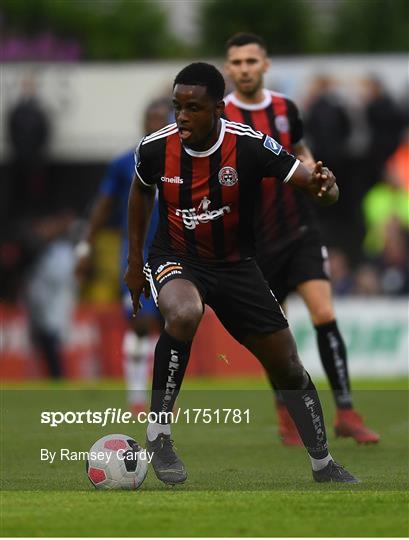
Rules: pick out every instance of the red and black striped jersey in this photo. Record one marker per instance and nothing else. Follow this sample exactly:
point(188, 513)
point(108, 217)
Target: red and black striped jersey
point(283, 213)
point(207, 199)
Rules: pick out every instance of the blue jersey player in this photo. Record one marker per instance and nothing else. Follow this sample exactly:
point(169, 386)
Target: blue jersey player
point(112, 200)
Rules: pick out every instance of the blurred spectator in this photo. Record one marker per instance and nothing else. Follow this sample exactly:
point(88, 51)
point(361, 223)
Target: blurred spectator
point(327, 129)
point(397, 165)
point(340, 272)
point(385, 124)
point(28, 133)
point(367, 281)
point(327, 124)
point(393, 262)
point(384, 201)
point(50, 289)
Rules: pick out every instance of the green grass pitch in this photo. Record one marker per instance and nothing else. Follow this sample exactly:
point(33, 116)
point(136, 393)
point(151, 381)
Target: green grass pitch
point(242, 481)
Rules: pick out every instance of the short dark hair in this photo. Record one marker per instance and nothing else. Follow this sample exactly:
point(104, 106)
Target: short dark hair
point(243, 38)
point(202, 74)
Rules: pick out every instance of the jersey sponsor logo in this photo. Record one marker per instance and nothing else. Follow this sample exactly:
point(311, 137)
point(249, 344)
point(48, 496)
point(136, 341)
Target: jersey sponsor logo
point(228, 176)
point(272, 145)
point(192, 217)
point(172, 180)
point(282, 124)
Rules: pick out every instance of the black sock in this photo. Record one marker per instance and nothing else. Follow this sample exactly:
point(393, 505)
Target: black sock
point(305, 409)
point(171, 359)
point(334, 359)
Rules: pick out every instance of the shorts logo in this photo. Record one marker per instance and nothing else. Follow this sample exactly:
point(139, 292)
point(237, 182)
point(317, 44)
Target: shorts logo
point(228, 176)
point(192, 217)
point(169, 268)
point(272, 145)
point(282, 124)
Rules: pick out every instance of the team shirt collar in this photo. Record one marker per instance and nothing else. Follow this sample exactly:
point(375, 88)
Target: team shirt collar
point(216, 145)
point(252, 106)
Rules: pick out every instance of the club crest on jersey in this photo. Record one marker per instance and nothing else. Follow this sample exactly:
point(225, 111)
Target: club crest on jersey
point(272, 145)
point(228, 176)
point(282, 123)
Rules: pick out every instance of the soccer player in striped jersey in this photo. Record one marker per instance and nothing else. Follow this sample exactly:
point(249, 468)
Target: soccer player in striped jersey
point(290, 252)
point(207, 171)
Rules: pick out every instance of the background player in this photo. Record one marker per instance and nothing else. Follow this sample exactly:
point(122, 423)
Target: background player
point(140, 339)
point(207, 171)
point(289, 248)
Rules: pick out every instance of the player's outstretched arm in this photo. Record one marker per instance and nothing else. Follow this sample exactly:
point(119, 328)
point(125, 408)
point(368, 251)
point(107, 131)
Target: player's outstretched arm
point(319, 182)
point(140, 204)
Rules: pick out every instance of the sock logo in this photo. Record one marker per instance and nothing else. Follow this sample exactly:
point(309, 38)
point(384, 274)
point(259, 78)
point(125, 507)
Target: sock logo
point(316, 421)
point(344, 396)
point(173, 368)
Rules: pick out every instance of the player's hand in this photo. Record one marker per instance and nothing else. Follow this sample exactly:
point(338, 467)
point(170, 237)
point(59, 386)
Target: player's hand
point(83, 261)
point(322, 178)
point(136, 282)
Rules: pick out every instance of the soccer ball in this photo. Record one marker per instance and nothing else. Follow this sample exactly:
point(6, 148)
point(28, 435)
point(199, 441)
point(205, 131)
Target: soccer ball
point(116, 462)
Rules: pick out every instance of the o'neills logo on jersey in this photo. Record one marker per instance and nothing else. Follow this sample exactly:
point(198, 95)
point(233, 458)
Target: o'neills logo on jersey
point(193, 217)
point(228, 176)
point(172, 180)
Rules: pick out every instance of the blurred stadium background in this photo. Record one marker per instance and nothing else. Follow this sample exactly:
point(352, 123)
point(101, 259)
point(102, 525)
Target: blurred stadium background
point(90, 69)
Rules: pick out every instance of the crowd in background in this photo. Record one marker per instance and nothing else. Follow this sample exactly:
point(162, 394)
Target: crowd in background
point(366, 144)
point(367, 147)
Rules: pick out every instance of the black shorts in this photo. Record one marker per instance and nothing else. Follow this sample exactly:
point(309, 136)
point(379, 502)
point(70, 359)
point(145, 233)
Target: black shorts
point(237, 292)
point(302, 260)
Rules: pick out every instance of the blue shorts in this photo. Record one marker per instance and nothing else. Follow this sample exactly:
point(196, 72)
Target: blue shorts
point(148, 304)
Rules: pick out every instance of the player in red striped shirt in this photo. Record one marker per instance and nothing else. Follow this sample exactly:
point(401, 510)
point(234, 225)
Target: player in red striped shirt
point(208, 171)
point(290, 252)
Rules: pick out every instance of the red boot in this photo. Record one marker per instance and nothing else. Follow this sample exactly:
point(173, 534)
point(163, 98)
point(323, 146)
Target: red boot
point(348, 423)
point(286, 427)
point(137, 408)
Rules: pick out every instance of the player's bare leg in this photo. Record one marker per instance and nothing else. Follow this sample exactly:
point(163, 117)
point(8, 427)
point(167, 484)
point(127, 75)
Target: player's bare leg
point(318, 299)
point(278, 354)
point(182, 309)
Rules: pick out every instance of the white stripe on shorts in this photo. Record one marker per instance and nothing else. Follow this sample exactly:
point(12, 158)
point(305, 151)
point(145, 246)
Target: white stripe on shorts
point(148, 273)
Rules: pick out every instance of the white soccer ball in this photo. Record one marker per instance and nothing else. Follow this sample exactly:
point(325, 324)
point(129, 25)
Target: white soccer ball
point(116, 462)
